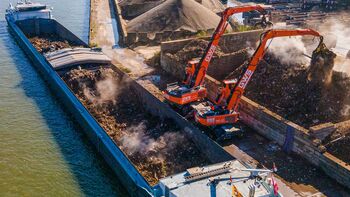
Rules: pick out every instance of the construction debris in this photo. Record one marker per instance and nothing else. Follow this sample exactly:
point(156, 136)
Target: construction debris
point(50, 43)
point(173, 15)
point(157, 148)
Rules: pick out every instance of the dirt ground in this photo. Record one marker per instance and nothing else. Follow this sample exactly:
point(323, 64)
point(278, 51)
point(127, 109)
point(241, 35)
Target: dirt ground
point(156, 147)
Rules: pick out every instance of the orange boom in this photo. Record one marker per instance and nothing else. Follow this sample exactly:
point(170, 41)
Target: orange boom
point(214, 115)
point(191, 88)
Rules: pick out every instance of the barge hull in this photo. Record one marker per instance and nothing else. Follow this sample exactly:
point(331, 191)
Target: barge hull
point(120, 164)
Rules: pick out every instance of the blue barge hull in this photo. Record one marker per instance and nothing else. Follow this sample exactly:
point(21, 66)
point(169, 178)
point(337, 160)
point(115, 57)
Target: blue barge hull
point(132, 180)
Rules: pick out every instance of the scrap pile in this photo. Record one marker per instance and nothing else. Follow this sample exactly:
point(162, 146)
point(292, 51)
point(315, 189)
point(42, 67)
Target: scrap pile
point(337, 143)
point(289, 90)
point(307, 95)
point(156, 148)
point(194, 49)
point(49, 43)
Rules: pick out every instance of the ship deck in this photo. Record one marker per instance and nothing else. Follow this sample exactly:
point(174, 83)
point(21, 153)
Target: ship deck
point(219, 185)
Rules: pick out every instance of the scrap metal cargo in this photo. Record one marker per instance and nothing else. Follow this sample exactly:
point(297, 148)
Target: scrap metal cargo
point(91, 88)
point(200, 104)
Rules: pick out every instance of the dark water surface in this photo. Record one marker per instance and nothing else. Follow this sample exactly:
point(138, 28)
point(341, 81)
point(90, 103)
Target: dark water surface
point(42, 152)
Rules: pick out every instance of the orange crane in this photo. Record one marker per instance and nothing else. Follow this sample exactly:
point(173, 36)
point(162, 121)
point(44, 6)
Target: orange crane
point(214, 114)
point(191, 88)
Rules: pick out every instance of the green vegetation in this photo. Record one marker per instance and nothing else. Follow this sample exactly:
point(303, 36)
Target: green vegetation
point(201, 33)
point(92, 45)
point(92, 31)
point(156, 54)
point(124, 69)
point(241, 28)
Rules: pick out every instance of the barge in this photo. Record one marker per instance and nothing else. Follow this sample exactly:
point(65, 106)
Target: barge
point(29, 20)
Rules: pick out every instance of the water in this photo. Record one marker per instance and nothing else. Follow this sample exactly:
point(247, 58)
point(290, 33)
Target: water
point(42, 152)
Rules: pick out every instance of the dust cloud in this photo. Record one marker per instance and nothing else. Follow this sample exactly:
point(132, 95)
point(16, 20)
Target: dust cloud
point(336, 31)
point(289, 50)
point(137, 141)
point(346, 110)
point(106, 91)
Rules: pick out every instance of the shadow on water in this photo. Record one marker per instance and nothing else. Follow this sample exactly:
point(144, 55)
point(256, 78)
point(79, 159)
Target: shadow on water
point(92, 173)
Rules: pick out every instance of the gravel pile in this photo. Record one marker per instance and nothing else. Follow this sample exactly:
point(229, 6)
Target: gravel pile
point(175, 15)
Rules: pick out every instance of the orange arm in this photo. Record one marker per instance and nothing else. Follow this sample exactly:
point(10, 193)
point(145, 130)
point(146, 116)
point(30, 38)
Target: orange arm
point(238, 90)
point(201, 69)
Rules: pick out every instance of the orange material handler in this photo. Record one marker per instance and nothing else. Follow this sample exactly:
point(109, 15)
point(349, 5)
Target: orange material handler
point(191, 88)
point(214, 114)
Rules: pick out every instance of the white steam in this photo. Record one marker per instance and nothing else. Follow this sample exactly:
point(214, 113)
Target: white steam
point(136, 140)
point(342, 65)
point(336, 32)
point(289, 50)
point(346, 110)
point(106, 91)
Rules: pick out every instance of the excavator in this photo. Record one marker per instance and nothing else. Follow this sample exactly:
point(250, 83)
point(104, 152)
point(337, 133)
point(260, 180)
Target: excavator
point(191, 89)
point(222, 116)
